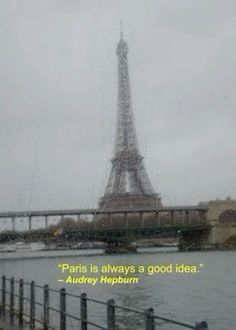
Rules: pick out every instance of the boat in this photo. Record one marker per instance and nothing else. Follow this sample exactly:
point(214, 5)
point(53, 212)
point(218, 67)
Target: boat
point(21, 246)
point(37, 246)
point(7, 248)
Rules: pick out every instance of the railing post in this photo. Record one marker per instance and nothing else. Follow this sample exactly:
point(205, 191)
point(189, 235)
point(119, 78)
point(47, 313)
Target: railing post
point(126, 220)
point(202, 217)
point(46, 221)
point(94, 222)
point(187, 217)
point(172, 218)
point(13, 224)
point(32, 305)
point(45, 307)
point(30, 223)
point(141, 219)
point(111, 321)
point(149, 319)
point(12, 300)
point(157, 219)
point(202, 326)
point(83, 311)
point(110, 220)
point(21, 301)
point(3, 294)
point(62, 309)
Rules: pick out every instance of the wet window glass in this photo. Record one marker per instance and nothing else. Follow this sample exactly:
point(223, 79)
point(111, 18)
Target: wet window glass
point(117, 130)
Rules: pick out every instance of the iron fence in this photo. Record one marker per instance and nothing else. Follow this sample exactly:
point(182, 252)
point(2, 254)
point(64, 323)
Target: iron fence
point(14, 299)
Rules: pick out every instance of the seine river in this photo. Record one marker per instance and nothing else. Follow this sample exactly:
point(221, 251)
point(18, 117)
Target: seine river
point(208, 295)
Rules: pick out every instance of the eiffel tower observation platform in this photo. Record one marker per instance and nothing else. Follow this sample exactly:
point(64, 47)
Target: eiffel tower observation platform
point(128, 185)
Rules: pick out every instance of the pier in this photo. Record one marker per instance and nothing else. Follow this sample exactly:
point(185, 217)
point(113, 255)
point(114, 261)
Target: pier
point(27, 305)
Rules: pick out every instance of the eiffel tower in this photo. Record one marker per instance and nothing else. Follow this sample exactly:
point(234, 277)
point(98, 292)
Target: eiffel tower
point(128, 185)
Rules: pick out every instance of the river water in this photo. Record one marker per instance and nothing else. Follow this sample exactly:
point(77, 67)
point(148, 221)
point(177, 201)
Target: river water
point(207, 295)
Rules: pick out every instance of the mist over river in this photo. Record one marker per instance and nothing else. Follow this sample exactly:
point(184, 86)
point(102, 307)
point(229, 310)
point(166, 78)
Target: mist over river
point(208, 295)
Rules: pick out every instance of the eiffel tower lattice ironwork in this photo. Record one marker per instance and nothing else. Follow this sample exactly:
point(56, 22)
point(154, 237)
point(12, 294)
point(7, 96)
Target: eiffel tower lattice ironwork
point(128, 184)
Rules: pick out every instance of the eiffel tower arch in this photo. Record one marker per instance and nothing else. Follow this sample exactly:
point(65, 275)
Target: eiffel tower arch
point(128, 185)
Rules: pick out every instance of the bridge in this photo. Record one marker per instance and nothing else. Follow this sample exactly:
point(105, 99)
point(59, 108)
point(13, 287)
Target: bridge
point(118, 228)
point(196, 226)
point(172, 210)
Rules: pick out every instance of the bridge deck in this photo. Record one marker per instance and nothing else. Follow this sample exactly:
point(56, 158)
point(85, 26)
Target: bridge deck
point(43, 213)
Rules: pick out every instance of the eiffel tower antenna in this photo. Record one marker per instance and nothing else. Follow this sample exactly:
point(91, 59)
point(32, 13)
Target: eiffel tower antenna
point(128, 184)
point(121, 30)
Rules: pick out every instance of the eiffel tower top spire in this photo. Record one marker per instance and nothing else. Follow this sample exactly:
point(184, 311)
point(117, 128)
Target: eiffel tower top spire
point(125, 131)
point(128, 185)
point(121, 30)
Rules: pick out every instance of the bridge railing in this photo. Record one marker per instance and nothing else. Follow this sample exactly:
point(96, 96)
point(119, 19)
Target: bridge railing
point(20, 302)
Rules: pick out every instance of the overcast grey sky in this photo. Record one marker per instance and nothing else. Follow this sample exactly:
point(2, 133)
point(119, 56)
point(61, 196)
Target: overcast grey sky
point(58, 90)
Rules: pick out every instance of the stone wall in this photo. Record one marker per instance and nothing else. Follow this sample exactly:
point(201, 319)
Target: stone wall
point(221, 215)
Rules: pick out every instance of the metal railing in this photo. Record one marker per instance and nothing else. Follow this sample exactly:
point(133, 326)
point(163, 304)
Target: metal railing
point(17, 312)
